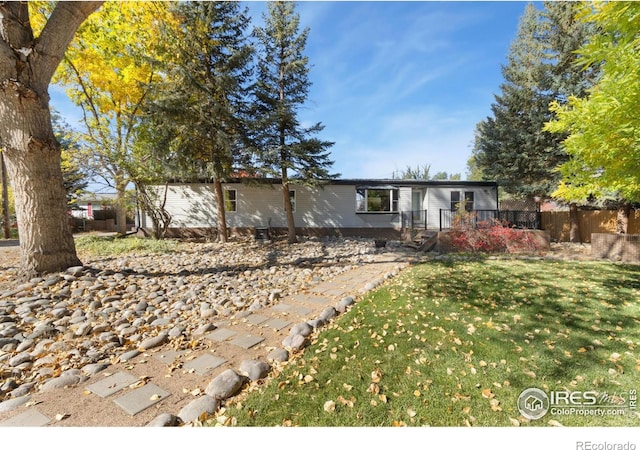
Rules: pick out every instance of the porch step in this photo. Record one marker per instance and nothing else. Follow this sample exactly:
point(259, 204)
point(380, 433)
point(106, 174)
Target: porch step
point(423, 241)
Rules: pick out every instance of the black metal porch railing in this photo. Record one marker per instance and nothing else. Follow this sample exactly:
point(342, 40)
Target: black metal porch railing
point(414, 219)
point(479, 216)
point(516, 219)
point(530, 220)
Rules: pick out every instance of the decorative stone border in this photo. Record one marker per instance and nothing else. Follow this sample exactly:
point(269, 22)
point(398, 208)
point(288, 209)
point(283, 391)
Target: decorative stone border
point(230, 382)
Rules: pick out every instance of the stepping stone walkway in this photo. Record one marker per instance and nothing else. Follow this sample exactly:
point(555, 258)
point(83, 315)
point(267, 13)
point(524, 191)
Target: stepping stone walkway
point(157, 385)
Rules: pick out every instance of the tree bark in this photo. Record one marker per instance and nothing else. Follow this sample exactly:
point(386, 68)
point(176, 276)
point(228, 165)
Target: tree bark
point(622, 219)
point(574, 224)
point(30, 147)
point(222, 216)
point(121, 204)
point(5, 199)
point(46, 242)
point(291, 225)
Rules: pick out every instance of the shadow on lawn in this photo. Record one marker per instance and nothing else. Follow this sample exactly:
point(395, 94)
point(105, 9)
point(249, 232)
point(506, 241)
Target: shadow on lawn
point(580, 308)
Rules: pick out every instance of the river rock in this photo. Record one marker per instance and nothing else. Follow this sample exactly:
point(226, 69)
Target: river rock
point(328, 313)
point(254, 369)
point(225, 385)
point(303, 329)
point(153, 341)
point(278, 354)
point(10, 405)
point(205, 404)
point(165, 420)
point(294, 342)
point(70, 377)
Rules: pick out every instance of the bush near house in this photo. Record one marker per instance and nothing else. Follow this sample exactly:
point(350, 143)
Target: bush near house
point(469, 235)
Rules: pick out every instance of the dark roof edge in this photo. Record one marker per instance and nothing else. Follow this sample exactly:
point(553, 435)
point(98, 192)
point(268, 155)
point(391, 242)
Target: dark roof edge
point(353, 181)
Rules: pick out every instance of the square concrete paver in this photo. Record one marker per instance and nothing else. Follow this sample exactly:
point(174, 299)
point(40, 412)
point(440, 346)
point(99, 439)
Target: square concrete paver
point(256, 319)
point(168, 357)
point(247, 341)
point(276, 324)
point(281, 307)
point(112, 384)
point(302, 310)
point(29, 418)
point(336, 292)
point(221, 334)
point(142, 398)
point(203, 364)
point(300, 297)
point(319, 300)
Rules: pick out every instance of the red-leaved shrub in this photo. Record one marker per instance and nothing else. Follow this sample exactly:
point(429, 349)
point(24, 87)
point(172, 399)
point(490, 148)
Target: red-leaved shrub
point(468, 235)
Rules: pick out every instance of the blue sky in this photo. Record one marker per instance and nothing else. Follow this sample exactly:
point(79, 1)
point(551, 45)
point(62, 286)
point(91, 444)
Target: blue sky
point(398, 83)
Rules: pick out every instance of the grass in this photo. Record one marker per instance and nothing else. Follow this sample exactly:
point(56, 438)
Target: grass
point(111, 245)
point(454, 343)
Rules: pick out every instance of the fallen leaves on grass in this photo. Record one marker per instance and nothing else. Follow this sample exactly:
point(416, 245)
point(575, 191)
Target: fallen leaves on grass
point(329, 406)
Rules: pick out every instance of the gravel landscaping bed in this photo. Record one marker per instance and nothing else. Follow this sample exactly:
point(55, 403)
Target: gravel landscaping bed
point(74, 322)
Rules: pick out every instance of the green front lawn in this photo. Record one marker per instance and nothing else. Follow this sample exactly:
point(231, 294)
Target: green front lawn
point(455, 342)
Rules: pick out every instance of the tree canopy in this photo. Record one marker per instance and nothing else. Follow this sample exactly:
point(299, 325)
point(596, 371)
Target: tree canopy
point(603, 127)
point(512, 146)
point(108, 71)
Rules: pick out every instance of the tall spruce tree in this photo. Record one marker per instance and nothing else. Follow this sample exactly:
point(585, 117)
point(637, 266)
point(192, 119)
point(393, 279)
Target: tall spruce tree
point(202, 106)
point(286, 148)
point(511, 146)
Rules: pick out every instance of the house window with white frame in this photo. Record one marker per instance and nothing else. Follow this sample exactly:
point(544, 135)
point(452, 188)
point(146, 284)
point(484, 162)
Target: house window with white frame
point(376, 200)
point(469, 200)
point(457, 200)
point(231, 200)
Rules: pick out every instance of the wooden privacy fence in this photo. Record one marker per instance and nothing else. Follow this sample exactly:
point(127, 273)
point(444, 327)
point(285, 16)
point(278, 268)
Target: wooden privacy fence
point(557, 223)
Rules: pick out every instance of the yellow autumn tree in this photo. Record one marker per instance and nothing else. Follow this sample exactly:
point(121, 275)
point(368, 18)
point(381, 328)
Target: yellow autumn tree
point(108, 72)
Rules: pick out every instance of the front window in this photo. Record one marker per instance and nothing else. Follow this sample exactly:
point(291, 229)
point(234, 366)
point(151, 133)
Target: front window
point(468, 201)
point(455, 200)
point(230, 200)
point(376, 200)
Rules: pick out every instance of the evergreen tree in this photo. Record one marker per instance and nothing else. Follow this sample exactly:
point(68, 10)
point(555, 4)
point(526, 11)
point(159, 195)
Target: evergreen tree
point(511, 146)
point(201, 109)
point(286, 148)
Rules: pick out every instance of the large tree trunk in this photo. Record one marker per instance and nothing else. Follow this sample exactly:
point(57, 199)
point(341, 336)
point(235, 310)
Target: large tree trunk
point(31, 151)
point(574, 224)
point(222, 216)
point(33, 163)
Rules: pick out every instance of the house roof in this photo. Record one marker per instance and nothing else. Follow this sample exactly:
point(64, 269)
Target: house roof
point(368, 182)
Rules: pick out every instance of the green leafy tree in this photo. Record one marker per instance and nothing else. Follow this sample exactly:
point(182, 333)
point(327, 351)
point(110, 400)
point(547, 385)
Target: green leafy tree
point(601, 128)
point(287, 149)
point(200, 111)
point(28, 59)
point(512, 146)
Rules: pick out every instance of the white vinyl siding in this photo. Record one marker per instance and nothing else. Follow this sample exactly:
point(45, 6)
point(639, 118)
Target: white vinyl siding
point(330, 206)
